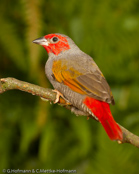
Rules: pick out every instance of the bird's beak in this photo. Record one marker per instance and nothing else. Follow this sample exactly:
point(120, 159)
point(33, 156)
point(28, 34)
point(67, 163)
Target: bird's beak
point(41, 41)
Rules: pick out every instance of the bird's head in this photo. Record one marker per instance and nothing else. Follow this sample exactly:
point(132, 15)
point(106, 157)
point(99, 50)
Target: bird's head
point(55, 43)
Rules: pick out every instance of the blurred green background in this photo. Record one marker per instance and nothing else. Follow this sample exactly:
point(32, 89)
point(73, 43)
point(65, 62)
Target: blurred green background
point(37, 134)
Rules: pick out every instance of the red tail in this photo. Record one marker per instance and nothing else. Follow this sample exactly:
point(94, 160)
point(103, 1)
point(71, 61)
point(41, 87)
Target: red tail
point(102, 111)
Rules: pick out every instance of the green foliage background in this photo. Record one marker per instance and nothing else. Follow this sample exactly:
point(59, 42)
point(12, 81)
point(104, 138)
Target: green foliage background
point(36, 134)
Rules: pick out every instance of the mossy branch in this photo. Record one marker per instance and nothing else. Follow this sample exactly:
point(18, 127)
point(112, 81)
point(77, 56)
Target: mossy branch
point(12, 83)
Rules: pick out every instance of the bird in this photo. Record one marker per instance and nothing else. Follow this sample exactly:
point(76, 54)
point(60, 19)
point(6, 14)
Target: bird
point(75, 76)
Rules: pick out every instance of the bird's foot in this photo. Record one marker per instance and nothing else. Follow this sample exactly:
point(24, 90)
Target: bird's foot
point(61, 100)
point(58, 95)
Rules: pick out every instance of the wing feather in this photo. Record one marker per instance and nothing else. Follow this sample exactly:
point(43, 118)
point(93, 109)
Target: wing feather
point(90, 83)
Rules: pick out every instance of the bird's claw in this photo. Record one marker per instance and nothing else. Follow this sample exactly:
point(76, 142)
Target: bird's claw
point(58, 95)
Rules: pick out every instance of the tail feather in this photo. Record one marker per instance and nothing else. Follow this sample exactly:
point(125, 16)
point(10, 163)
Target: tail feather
point(102, 111)
point(112, 129)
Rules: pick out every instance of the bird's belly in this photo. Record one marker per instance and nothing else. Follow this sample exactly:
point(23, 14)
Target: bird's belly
point(76, 99)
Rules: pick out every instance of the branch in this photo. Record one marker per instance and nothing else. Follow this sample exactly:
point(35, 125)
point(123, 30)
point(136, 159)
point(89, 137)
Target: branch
point(48, 94)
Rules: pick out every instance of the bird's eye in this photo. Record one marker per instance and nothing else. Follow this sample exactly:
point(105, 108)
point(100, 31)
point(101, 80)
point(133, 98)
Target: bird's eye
point(55, 39)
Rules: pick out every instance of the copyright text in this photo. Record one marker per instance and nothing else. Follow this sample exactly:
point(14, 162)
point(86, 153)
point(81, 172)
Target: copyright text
point(38, 171)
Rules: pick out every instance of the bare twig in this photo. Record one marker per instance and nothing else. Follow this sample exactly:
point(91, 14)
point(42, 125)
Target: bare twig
point(12, 83)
